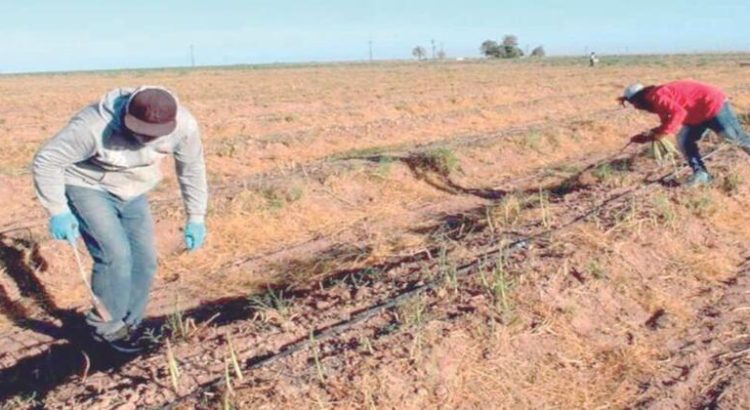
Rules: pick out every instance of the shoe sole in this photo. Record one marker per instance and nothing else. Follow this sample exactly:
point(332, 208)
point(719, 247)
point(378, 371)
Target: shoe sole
point(699, 184)
point(125, 350)
point(115, 347)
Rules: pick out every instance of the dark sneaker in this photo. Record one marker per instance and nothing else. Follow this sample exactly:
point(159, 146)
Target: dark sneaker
point(699, 178)
point(127, 345)
point(123, 341)
point(119, 334)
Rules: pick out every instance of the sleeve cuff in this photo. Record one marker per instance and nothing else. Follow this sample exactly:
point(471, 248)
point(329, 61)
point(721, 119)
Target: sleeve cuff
point(58, 209)
point(198, 219)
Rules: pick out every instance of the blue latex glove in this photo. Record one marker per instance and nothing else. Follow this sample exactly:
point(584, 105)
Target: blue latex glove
point(195, 234)
point(64, 227)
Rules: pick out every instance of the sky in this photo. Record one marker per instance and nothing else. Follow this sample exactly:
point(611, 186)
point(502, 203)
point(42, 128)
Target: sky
point(57, 35)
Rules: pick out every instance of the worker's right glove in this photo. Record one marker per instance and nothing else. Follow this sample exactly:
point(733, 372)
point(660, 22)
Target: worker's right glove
point(64, 227)
point(642, 138)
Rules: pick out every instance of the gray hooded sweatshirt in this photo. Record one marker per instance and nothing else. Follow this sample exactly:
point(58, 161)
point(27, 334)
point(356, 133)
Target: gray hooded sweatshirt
point(95, 150)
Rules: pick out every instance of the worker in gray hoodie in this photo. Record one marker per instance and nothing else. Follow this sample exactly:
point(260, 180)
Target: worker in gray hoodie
point(93, 177)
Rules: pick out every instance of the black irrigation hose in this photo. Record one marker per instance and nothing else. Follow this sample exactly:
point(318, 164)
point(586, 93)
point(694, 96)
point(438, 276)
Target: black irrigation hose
point(343, 326)
point(463, 271)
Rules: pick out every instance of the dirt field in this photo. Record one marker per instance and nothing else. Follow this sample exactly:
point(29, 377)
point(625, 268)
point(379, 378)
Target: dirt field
point(451, 235)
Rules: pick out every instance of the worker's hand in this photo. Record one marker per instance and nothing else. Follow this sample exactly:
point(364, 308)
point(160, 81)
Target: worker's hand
point(642, 138)
point(64, 226)
point(195, 235)
point(657, 137)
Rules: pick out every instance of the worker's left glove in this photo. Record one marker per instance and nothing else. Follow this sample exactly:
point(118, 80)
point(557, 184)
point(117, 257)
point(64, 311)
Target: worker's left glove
point(195, 235)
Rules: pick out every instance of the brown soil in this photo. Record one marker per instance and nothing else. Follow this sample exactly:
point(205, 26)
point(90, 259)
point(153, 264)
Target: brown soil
point(403, 236)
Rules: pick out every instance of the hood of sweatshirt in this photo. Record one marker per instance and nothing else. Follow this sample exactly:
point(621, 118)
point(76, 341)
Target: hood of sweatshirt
point(112, 107)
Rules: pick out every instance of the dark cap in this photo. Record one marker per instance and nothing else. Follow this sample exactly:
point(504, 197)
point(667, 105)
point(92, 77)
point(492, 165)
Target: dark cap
point(151, 112)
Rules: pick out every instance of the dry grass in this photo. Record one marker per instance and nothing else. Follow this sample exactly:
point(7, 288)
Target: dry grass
point(560, 341)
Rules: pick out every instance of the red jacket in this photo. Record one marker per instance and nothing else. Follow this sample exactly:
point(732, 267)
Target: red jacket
point(684, 102)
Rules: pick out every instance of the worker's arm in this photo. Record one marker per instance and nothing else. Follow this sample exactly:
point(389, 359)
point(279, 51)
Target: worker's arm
point(670, 113)
point(74, 143)
point(191, 173)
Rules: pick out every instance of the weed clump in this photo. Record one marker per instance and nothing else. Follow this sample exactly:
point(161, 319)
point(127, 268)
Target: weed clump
point(277, 198)
point(613, 173)
point(441, 161)
point(508, 211)
point(662, 211)
point(595, 268)
point(498, 285)
point(700, 204)
point(731, 183)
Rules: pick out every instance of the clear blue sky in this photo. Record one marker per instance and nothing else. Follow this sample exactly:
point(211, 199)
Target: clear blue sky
point(50, 35)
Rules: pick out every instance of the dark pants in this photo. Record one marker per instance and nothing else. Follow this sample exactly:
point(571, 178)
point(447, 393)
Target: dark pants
point(725, 124)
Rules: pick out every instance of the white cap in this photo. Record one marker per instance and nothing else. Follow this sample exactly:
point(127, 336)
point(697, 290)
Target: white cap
point(632, 90)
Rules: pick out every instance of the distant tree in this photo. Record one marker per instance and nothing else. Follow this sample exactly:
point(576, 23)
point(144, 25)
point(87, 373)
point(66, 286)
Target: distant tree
point(441, 54)
point(538, 52)
point(510, 41)
point(490, 48)
point(507, 49)
point(510, 47)
point(419, 52)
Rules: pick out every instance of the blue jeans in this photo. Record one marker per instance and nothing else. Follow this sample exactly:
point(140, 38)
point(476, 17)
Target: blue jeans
point(120, 238)
point(725, 124)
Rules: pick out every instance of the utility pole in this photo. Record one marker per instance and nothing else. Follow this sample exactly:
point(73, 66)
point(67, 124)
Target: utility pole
point(433, 48)
point(370, 44)
point(192, 55)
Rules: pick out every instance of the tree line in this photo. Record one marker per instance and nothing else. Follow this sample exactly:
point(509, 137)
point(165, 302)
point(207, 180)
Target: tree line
point(508, 48)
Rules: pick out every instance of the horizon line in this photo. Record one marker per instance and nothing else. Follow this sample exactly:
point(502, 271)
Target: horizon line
point(300, 64)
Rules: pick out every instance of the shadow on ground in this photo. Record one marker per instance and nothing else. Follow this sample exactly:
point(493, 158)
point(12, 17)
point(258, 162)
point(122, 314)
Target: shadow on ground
point(66, 360)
